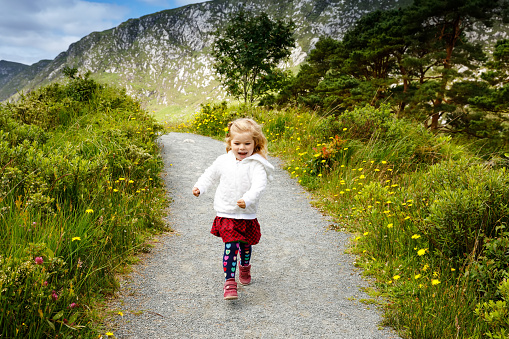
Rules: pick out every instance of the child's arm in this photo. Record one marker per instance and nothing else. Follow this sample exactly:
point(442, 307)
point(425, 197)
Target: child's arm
point(258, 184)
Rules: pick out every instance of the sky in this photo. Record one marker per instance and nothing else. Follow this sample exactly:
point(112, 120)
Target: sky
point(32, 30)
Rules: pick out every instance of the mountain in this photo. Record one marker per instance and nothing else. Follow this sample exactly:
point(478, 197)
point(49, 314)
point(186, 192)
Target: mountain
point(15, 76)
point(163, 59)
point(8, 70)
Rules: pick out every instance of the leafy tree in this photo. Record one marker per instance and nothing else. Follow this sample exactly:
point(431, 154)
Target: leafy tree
point(301, 88)
point(484, 104)
point(247, 54)
point(408, 57)
point(446, 22)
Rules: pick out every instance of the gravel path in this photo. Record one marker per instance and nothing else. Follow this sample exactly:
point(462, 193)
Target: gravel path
point(304, 285)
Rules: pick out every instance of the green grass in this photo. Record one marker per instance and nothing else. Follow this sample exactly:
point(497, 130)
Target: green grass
point(80, 195)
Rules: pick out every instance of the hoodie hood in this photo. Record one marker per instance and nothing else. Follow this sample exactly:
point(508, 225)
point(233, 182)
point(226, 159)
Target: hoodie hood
point(268, 166)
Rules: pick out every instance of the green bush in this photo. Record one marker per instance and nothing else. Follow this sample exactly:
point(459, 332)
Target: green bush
point(79, 193)
point(371, 134)
point(212, 120)
point(496, 314)
point(491, 267)
point(469, 202)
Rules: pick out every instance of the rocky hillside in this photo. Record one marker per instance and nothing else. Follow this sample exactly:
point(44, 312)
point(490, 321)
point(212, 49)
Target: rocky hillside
point(163, 58)
point(15, 76)
point(8, 70)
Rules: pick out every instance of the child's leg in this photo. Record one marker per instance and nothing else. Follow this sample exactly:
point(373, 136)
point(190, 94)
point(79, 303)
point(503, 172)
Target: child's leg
point(244, 267)
point(231, 250)
point(245, 253)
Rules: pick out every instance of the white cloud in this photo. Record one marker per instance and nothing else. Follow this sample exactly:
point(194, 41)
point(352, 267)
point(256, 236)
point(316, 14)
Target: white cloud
point(31, 30)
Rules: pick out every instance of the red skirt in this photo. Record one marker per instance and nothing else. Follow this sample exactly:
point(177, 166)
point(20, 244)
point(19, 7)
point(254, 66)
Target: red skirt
point(230, 230)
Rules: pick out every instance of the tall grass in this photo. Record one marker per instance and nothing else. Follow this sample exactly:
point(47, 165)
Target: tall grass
point(80, 193)
point(428, 218)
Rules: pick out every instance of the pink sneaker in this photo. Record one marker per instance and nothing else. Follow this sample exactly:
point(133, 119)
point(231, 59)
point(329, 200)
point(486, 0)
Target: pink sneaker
point(230, 289)
point(245, 274)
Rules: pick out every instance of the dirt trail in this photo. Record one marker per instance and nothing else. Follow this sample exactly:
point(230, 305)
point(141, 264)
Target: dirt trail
point(304, 285)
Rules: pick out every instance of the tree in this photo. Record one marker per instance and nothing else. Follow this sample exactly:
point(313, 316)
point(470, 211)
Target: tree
point(485, 113)
point(448, 21)
point(247, 54)
point(301, 88)
point(338, 75)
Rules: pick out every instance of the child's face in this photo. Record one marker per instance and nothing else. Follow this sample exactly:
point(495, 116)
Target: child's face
point(242, 145)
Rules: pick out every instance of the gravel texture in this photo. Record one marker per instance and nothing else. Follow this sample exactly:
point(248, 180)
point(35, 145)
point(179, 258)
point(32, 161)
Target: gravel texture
point(304, 285)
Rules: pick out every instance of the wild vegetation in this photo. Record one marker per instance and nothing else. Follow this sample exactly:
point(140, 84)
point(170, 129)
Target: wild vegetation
point(80, 192)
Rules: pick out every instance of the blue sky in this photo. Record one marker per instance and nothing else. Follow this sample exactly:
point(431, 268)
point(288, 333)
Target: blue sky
point(32, 30)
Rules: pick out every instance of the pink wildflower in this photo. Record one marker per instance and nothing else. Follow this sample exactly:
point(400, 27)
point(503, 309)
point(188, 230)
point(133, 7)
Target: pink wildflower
point(54, 296)
point(39, 260)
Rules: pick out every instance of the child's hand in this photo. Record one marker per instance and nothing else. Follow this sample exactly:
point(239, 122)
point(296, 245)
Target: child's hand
point(196, 191)
point(241, 203)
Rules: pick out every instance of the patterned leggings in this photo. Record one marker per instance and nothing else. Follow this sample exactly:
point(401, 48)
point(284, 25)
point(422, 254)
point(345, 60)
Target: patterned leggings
point(231, 250)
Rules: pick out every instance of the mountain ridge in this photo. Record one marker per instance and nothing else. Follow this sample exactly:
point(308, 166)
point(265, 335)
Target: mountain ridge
point(163, 59)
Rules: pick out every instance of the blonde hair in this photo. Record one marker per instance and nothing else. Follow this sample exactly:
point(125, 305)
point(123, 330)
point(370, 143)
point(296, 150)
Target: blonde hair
point(247, 125)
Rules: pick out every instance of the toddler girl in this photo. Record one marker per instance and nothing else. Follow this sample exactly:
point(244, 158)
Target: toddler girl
point(242, 174)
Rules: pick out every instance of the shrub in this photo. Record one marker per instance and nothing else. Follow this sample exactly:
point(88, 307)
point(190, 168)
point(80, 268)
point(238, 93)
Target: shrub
point(79, 193)
point(491, 267)
point(469, 203)
point(496, 313)
point(212, 120)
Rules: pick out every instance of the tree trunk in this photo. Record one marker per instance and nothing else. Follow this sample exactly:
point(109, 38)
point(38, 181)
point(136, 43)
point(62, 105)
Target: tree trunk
point(450, 43)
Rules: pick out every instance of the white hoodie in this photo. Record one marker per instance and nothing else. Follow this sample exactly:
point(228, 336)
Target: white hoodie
point(244, 179)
